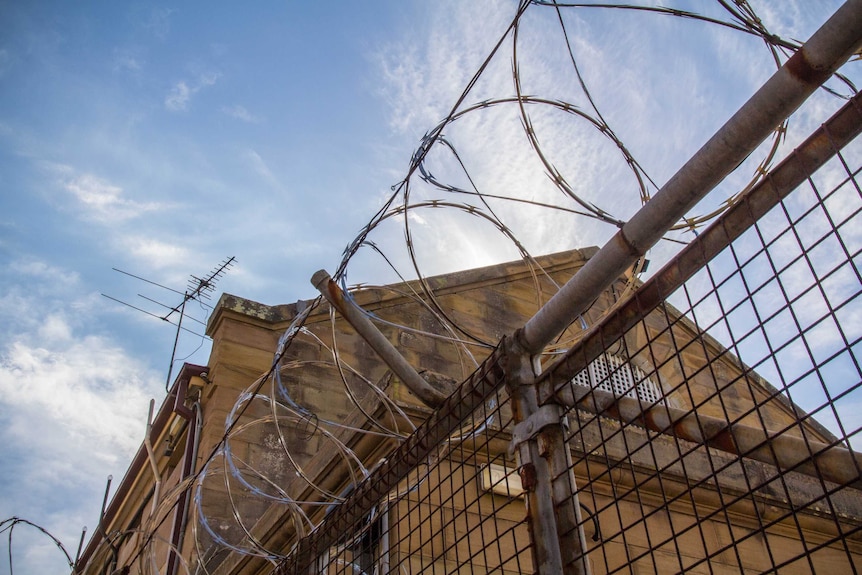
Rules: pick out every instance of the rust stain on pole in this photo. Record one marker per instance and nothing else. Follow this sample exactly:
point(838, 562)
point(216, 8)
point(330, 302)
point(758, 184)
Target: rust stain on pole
point(799, 67)
point(528, 476)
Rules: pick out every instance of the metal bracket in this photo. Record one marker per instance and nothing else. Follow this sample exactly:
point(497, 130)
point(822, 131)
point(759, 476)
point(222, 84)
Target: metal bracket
point(550, 414)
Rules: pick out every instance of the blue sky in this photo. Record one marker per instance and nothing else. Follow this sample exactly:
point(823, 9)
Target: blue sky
point(163, 139)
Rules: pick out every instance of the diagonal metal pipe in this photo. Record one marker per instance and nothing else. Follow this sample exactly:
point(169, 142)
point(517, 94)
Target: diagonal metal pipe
point(780, 96)
point(832, 462)
point(378, 342)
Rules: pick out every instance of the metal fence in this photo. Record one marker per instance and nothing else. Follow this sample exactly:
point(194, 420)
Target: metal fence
point(746, 465)
point(706, 424)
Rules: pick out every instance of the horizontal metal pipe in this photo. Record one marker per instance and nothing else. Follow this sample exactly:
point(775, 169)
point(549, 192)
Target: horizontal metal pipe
point(779, 97)
point(378, 342)
point(831, 463)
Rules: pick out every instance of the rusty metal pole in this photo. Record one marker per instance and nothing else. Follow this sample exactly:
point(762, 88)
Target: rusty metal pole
point(780, 96)
point(544, 464)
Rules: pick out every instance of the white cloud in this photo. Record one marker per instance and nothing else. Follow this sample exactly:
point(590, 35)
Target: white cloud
point(674, 82)
point(72, 405)
point(103, 201)
point(240, 113)
point(158, 22)
point(86, 388)
point(208, 79)
point(73, 411)
point(55, 329)
point(792, 19)
point(178, 98)
point(94, 192)
point(39, 298)
point(53, 353)
point(414, 217)
point(44, 272)
point(127, 61)
point(261, 168)
point(157, 254)
point(421, 81)
point(181, 93)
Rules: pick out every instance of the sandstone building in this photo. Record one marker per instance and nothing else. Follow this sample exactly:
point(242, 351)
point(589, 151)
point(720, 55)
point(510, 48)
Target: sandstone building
point(648, 509)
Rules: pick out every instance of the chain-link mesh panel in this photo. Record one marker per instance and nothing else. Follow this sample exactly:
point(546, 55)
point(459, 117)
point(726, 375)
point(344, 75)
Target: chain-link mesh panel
point(757, 357)
point(711, 418)
point(448, 498)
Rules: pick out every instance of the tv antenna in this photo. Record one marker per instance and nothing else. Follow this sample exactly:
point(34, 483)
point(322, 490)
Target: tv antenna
point(197, 289)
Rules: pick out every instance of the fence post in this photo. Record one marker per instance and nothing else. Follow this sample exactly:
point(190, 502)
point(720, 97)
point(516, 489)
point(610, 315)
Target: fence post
point(544, 464)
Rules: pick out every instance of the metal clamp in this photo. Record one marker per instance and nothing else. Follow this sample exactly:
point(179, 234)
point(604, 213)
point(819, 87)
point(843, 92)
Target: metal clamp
point(550, 414)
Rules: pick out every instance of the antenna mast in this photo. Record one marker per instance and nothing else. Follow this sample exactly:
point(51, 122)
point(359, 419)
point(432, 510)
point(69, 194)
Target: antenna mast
point(197, 289)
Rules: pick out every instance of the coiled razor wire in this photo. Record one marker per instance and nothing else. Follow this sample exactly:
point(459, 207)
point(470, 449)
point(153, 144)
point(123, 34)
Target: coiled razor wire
point(251, 486)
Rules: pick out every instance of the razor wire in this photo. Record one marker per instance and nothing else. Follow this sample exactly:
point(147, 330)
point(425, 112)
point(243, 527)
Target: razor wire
point(441, 183)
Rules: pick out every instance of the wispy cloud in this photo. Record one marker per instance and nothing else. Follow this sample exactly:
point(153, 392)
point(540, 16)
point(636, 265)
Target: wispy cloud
point(658, 122)
point(87, 397)
point(127, 61)
point(182, 91)
point(240, 113)
point(158, 22)
point(157, 254)
point(421, 81)
point(65, 382)
point(208, 78)
point(103, 201)
point(41, 271)
point(261, 168)
point(178, 98)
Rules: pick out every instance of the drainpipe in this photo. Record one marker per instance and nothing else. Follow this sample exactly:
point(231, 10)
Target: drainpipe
point(780, 96)
point(384, 541)
point(151, 455)
point(195, 420)
point(101, 528)
point(162, 419)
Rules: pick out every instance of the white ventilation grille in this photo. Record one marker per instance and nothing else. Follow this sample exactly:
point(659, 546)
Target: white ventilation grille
point(619, 377)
